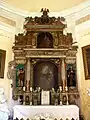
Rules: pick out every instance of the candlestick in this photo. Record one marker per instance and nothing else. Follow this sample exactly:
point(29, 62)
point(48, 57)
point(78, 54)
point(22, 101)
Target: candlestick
point(67, 99)
point(60, 99)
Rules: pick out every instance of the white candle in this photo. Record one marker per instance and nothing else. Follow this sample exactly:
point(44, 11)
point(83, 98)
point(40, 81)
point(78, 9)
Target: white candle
point(66, 88)
point(24, 88)
point(60, 88)
point(39, 88)
point(31, 89)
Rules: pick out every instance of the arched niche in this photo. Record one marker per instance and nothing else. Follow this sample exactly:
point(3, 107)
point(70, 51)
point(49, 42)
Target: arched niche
point(45, 75)
point(44, 40)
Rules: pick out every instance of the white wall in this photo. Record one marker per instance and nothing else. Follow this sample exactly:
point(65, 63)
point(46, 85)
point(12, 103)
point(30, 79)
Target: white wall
point(6, 42)
point(83, 39)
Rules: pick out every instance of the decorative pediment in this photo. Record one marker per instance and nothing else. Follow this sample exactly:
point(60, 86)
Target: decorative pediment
point(44, 20)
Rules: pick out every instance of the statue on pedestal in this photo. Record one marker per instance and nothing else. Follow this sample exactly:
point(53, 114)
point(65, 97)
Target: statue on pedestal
point(71, 77)
point(21, 77)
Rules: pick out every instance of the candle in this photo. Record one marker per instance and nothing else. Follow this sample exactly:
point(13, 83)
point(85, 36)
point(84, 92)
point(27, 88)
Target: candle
point(24, 88)
point(39, 88)
point(60, 88)
point(31, 89)
point(66, 88)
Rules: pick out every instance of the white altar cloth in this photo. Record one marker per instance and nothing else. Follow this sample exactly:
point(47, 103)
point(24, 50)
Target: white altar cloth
point(65, 111)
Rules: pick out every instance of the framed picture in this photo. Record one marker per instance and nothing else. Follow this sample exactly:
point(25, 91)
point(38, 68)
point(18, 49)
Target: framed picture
point(86, 60)
point(2, 62)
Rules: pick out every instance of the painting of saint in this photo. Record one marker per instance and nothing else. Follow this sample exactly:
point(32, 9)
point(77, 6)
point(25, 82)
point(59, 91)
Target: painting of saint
point(2, 62)
point(86, 61)
point(45, 75)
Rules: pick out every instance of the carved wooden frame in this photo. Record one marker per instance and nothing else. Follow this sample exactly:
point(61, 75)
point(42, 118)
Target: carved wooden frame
point(86, 58)
point(2, 62)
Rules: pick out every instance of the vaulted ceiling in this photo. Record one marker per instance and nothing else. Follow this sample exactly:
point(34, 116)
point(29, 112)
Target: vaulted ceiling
point(36, 5)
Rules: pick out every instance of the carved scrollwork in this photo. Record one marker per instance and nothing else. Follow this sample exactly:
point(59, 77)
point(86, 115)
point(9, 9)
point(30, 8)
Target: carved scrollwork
point(55, 36)
point(20, 61)
point(57, 61)
point(45, 53)
point(70, 60)
point(31, 39)
point(34, 61)
point(71, 53)
point(11, 70)
point(19, 53)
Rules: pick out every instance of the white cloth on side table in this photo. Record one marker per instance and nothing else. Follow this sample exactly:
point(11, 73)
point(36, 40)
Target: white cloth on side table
point(4, 112)
point(64, 111)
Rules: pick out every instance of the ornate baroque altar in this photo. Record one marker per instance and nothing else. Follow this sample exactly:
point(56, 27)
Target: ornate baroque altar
point(44, 59)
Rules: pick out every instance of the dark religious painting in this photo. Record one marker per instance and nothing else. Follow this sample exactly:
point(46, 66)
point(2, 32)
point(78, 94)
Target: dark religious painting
point(45, 75)
point(2, 62)
point(86, 60)
point(44, 40)
point(71, 75)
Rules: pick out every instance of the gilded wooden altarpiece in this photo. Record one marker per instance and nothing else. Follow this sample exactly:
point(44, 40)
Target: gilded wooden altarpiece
point(43, 40)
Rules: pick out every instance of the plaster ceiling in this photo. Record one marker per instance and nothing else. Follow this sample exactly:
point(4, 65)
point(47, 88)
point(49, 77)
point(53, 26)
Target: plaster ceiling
point(36, 5)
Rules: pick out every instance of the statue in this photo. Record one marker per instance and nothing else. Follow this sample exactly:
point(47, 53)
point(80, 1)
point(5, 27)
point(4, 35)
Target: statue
point(71, 77)
point(21, 77)
point(44, 17)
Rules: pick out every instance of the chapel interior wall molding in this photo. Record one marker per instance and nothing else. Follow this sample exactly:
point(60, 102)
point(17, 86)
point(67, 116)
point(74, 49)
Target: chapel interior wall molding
point(71, 14)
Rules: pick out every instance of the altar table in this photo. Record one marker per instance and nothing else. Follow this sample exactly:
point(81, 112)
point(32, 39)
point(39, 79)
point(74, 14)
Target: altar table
point(64, 111)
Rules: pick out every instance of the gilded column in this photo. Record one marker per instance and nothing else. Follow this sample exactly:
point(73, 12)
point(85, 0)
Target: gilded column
point(28, 75)
point(59, 74)
point(63, 74)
